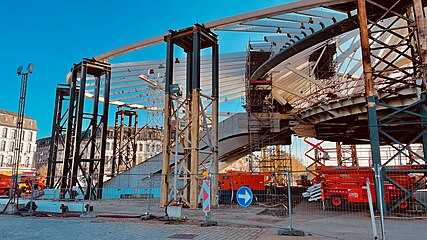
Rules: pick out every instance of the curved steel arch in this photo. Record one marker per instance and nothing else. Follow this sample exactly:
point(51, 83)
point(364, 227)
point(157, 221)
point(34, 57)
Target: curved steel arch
point(222, 23)
point(313, 39)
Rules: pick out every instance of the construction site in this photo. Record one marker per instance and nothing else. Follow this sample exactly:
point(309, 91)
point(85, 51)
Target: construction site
point(330, 141)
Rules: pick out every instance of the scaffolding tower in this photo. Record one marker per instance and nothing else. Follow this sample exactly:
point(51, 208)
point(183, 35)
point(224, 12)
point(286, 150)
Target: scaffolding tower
point(125, 141)
point(186, 124)
point(262, 125)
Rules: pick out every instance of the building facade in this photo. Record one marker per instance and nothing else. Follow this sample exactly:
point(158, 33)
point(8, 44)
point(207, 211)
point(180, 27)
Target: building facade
point(41, 155)
point(8, 134)
point(149, 143)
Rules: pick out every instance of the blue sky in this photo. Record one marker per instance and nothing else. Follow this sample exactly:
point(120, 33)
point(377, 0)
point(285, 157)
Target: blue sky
point(55, 34)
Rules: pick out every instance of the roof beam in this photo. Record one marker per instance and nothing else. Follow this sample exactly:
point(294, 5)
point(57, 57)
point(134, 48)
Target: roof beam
point(279, 97)
point(306, 76)
point(289, 90)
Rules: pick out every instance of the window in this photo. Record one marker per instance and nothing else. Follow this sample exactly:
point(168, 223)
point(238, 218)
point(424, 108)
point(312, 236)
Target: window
point(159, 148)
point(10, 159)
point(29, 148)
point(30, 136)
point(3, 146)
point(4, 133)
point(11, 145)
point(13, 133)
point(110, 133)
point(23, 135)
point(27, 162)
point(140, 147)
point(1, 160)
point(147, 147)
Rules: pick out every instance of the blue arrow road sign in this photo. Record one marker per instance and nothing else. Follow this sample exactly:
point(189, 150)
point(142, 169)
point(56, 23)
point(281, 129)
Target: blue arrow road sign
point(244, 196)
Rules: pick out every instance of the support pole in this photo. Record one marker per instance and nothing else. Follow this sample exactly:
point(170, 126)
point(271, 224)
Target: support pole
point(94, 124)
point(371, 99)
point(339, 154)
point(67, 163)
point(167, 125)
point(78, 128)
point(54, 139)
point(195, 123)
point(104, 123)
point(215, 121)
point(115, 160)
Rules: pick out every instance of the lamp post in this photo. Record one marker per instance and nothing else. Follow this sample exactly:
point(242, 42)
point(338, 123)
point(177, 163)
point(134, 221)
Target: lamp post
point(14, 187)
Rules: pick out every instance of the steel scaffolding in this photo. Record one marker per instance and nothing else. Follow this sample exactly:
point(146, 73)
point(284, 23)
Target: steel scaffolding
point(86, 135)
point(190, 141)
point(124, 144)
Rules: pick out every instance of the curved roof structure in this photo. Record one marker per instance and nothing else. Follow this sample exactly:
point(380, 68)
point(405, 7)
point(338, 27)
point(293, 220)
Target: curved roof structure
point(136, 84)
point(291, 33)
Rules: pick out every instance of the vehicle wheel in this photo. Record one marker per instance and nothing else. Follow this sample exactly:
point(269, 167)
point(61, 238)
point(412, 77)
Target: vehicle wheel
point(336, 201)
point(404, 205)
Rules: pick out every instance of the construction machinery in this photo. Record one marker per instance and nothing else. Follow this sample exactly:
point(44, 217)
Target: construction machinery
point(25, 184)
point(343, 187)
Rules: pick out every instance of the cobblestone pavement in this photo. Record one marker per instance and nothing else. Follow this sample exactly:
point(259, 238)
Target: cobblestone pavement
point(56, 228)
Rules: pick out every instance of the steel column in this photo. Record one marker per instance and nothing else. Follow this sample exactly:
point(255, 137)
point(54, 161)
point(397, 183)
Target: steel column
point(167, 124)
point(215, 122)
point(78, 127)
point(371, 99)
point(104, 123)
point(195, 123)
point(56, 138)
point(67, 163)
point(94, 125)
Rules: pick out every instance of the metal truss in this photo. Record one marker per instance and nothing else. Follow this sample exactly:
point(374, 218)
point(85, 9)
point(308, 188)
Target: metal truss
point(125, 141)
point(390, 68)
point(85, 141)
point(57, 139)
point(190, 142)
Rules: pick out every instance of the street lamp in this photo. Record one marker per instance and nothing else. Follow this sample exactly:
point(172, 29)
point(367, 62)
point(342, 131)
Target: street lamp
point(30, 69)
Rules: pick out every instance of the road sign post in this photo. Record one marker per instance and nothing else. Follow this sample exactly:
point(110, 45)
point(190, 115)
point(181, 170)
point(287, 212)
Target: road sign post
point(244, 196)
point(206, 206)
